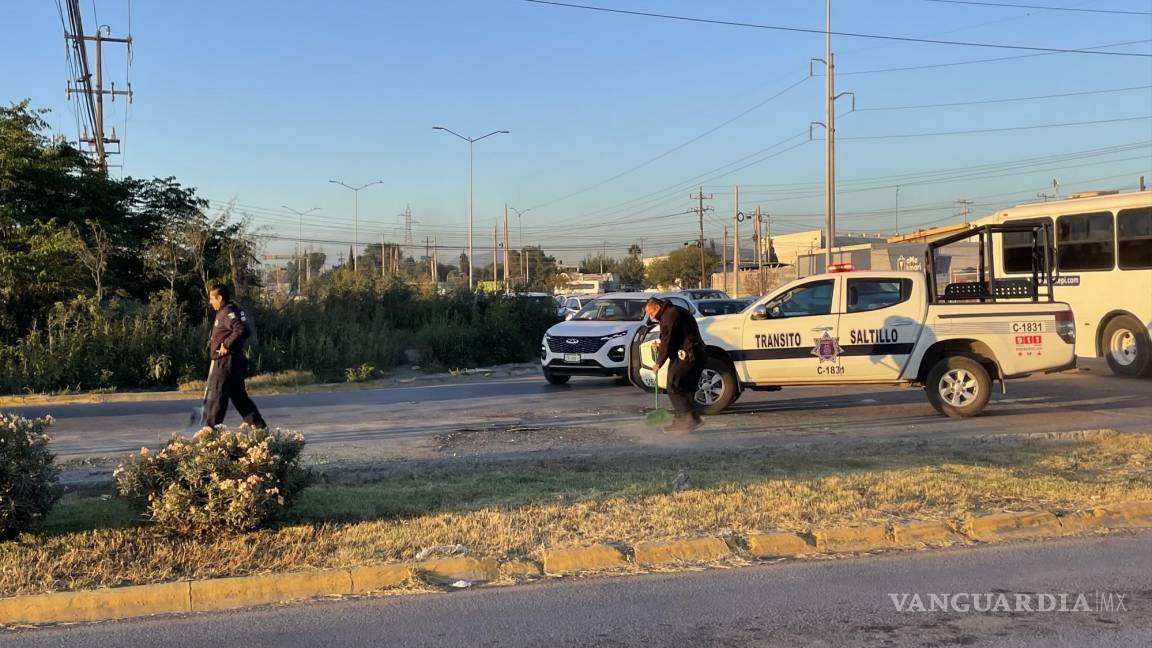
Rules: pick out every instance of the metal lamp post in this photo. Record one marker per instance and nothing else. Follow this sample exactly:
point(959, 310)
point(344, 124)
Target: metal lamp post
point(300, 239)
point(471, 141)
point(524, 256)
point(356, 215)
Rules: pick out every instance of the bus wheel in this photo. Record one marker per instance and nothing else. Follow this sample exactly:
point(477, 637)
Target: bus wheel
point(1126, 347)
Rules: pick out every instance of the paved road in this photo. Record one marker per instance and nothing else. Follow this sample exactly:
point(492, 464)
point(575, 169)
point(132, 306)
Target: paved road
point(807, 603)
point(411, 421)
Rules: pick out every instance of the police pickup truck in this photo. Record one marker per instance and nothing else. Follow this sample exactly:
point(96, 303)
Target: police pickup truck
point(896, 328)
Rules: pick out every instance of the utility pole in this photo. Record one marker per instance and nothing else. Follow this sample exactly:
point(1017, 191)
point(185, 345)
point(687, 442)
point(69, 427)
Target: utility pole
point(495, 264)
point(829, 125)
point(382, 255)
point(408, 226)
point(724, 258)
point(759, 250)
point(700, 212)
point(93, 95)
point(964, 204)
point(897, 210)
point(736, 251)
point(506, 257)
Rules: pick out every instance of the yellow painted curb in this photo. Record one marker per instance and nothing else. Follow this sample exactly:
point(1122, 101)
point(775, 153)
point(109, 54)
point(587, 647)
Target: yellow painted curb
point(664, 552)
point(378, 577)
point(1132, 515)
point(571, 561)
point(97, 605)
point(913, 534)
point(520, 569)
point(459, 568)
point(778, 545)
point(249, 591)
point(853, 539)
point(1012, 526)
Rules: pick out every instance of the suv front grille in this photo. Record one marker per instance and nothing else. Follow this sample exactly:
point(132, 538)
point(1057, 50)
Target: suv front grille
point(581, 345)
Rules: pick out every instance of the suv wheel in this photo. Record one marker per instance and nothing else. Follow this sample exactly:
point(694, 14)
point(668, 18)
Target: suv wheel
point(717, 387)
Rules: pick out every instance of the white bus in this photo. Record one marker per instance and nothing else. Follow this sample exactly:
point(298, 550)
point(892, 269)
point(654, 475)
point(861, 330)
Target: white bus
point(1103, 269)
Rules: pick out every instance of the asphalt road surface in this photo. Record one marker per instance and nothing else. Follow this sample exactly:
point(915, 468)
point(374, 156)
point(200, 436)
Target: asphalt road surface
point(840, 602)
point(524, 414)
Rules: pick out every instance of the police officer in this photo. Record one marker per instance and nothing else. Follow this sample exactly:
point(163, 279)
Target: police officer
point(230, 334)
point(681, 344)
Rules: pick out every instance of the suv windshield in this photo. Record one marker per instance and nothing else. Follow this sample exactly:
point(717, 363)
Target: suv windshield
point(612, 310)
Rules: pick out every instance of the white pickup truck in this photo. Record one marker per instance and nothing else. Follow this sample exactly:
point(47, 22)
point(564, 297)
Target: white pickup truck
point(856, 328)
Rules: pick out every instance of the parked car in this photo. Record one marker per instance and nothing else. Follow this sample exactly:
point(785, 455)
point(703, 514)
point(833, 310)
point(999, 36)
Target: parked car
point(709, 307)
point(571, 305)
point(596, 339)
point(697, 294)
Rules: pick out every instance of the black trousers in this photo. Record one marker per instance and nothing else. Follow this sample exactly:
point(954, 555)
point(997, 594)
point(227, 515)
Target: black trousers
point(227, 384)
point(683, 381)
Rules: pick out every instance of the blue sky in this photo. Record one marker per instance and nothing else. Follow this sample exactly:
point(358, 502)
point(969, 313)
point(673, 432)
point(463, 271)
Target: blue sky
point(261, 103)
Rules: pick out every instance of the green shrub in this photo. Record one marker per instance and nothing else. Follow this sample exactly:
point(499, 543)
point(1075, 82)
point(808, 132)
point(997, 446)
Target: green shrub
point(28, 477)
point(363, 373)
point(219, 480)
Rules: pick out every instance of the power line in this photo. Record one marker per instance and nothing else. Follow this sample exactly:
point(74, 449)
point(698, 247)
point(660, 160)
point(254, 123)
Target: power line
point(802, 30)
point(931, 66)
point(1044, 7)
point(677, 147)
point(1005, 100)
point(996, 130)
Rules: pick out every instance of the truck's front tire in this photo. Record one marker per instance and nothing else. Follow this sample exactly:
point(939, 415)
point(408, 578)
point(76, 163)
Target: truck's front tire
point(717, 388)
point(1126, 347)
point(958, 387)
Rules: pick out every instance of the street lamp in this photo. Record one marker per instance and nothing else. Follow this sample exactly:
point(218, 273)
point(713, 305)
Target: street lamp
point(471, 141)
point(300, 239)
point(522, 253)
point(355, 214)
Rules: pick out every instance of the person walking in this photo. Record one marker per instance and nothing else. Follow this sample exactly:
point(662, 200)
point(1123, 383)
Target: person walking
point(682, 346)
point(226, 346)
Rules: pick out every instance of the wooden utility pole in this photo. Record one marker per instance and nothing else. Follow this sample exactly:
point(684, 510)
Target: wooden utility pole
point(700, 212)
point(736, 249)
point(505, 247)
point(495, 264)
point(724, 258)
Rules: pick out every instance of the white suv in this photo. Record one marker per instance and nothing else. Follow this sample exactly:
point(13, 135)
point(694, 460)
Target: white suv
point(595, 341)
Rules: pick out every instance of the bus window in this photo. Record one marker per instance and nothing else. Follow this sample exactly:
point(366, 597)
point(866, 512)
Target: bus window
point(1086, 241)
point(1018, 246)
point(1134, 238)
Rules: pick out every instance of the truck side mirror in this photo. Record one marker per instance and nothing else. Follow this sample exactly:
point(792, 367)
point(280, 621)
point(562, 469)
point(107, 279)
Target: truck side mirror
point(760, 312)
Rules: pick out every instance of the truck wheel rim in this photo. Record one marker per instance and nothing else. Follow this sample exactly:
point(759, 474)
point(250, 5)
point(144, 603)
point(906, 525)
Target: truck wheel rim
point(959, 387)
point(711, 387)
point(1122, 346)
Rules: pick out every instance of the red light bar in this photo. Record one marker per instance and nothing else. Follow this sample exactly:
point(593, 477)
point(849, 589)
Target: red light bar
point(841, 267)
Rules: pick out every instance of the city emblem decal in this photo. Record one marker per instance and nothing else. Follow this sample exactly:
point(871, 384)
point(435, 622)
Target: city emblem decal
point(827, 348)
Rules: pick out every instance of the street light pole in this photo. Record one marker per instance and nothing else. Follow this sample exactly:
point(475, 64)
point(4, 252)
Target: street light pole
point(356, 216)
point(471, 141)
point(300, 241)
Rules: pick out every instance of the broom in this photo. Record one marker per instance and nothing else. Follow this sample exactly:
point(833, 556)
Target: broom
point(657, 416)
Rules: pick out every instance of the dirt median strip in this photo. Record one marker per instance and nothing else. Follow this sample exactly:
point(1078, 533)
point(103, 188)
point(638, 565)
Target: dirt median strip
point(267, 589)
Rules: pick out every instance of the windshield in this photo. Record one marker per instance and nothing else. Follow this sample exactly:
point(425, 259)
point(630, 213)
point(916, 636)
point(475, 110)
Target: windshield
point(612, 310)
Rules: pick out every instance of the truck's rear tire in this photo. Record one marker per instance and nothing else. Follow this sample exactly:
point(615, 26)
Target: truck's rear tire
point(958, 386)
point(555, 378)
point(717, 388)
point(1127, 348)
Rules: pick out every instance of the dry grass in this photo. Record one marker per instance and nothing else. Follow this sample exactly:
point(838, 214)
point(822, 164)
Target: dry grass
point(265, 382)
point(520, 510)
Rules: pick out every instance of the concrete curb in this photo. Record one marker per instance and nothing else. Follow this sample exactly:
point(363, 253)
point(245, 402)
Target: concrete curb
point(264, 589)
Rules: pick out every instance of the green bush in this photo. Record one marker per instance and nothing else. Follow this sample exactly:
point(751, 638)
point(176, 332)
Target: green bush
point(28, 477)
point(219, 480)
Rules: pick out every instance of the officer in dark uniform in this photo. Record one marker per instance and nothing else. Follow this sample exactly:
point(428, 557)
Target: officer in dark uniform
point(230, 334)
point(681, 344)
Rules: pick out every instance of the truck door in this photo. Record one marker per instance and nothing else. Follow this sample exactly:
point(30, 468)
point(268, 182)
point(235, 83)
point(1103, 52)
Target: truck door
point(881, 321)
point(792, 337)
